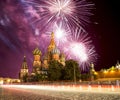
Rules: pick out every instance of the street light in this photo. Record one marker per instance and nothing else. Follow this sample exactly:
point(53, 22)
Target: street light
point(74, 75)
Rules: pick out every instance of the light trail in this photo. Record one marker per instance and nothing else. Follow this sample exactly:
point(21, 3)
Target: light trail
point(110, 89)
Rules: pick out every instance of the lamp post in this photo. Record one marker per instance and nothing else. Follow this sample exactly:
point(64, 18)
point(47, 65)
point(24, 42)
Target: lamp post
point(74, 75)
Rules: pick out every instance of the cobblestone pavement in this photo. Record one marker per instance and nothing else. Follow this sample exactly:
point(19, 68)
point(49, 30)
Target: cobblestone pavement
point(37, 94)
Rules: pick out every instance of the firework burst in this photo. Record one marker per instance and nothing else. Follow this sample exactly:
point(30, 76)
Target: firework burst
point(71, 13)
point(81, 49)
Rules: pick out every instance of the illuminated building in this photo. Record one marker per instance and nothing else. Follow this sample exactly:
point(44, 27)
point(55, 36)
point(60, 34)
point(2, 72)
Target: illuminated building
point(36, 61)
point(53, 53)
point(92, 71)
point(118, 65)
point(24, 69)
point(40, 64)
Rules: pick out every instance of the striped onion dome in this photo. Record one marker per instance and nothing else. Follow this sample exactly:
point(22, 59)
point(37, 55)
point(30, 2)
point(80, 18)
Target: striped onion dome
point(55, 51)
point(37, 51)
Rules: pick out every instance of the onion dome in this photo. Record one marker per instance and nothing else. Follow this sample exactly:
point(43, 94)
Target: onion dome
point(55, 51)
point(62, 57)
point(24, 64)
point(36, 52)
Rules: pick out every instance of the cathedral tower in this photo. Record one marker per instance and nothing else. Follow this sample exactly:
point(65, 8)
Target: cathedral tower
point(52, 44)
point(24, 69)
point(53, 51)
point(92, 71)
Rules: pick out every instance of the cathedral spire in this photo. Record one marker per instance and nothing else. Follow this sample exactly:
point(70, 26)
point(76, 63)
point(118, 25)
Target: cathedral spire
point(52, 44)
point(24, 60)
point(52, 35)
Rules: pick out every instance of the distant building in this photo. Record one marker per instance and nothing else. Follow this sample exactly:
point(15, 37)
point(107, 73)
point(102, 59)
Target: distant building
point(112, 72)
point(92, 72)
point(8, 80)
point(24, 69)
point(118, 65)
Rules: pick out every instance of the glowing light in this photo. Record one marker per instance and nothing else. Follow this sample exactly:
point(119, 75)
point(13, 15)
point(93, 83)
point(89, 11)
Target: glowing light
point(67, 88)
point(79, 50)
point(36, 31)
point(61, 6)
point(95, 73)
point(59, 34)
point(105, 71)
point(1, 82)
point(46, 13)
point(112, 71)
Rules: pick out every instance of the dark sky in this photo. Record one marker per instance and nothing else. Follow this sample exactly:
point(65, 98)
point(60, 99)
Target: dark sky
point(15, 42)
point(107, 32)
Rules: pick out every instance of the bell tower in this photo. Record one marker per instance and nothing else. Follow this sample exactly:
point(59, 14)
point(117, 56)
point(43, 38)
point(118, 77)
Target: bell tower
point(36, 61)
point(24, 70)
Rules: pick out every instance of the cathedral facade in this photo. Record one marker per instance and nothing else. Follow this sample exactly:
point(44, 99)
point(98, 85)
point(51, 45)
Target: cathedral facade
point(40, 64)
point(24, 70)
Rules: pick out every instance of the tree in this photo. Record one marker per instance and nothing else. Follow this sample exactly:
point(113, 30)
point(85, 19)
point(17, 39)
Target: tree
point(72, 71)
point(25, 78)
point(85, 76)
point(54, 71)
point(35, 78)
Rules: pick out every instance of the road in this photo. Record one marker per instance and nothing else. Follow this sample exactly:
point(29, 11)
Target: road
point(47, 92)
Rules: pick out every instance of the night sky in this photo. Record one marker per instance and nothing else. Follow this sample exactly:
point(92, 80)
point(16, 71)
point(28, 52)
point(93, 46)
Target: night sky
point(107, 32)
point(17, 38)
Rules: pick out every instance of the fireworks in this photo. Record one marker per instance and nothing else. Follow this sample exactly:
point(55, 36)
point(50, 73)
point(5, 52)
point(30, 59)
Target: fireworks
point(83, 55)
point(71, 13)
point(81, 49)
point(60, 7)
point(62, 35)
point(67, 19)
